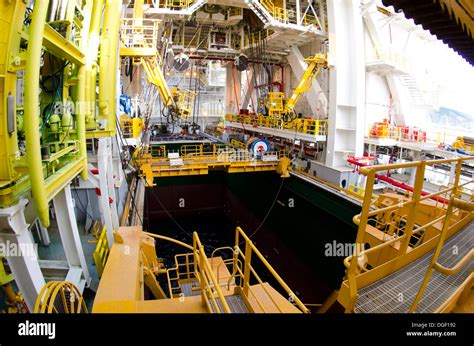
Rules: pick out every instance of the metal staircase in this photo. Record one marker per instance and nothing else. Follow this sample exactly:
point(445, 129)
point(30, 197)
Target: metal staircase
point(413, 89)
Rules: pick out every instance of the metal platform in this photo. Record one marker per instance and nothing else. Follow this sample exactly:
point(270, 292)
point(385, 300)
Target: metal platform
point(396, 292)
point(236, 304)
point(186, 289)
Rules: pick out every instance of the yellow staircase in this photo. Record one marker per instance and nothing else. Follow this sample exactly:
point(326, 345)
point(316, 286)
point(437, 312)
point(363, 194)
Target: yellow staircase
point(197, 284)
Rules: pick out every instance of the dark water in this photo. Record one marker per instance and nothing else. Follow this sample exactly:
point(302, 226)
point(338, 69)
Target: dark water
point(291, 240)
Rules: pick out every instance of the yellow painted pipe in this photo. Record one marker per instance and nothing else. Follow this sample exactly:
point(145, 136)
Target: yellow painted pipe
point(91, 61)
point(80, 118)
point(114, 59)
point(31, 116)
point(104, 61)
point(108, 62)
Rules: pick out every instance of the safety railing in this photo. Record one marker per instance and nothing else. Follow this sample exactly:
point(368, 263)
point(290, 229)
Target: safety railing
point(211, 292)
point(288, 15)
point(256, 37)
point(237, 144)
point(312, 127)
point(101, 252)
point(389, 54)
point(184, 100)
point(139, 32)
point(173, 4)
point(196, 267)
point(435, 265)
point(157, 151)
point(126, 125)
point(197, 154)
point(398, 133)
point(407, 221)
point(248, 274)
point(183, 270)
point(235, 262)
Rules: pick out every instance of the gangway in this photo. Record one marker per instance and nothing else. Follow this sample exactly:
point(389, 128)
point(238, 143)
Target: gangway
point(413, 253)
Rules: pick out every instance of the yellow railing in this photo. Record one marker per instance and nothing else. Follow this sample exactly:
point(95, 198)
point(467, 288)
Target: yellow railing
point(196, 267)
point(238, 144)
point(288, 16)
point(211, 291)
point(249, 272)
point(256, 37)
point(390, 54)
point(189, 273)
point(435, 265)
point(101, 252)
point(173, 4)
point(313, 127)
point(139, 32)
point(184, 100)
point(406, 212)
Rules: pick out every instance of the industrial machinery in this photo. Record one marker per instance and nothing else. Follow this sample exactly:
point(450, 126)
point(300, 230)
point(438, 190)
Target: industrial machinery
point(139, 43)
point(50, 83)
point(464, 145)
point(279, 107)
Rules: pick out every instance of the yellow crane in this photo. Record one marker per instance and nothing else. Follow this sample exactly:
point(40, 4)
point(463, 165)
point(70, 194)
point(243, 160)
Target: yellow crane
point(139, 40)
point(281, 108)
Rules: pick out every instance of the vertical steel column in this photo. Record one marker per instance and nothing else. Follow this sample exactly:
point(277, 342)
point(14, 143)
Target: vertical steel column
point(104, 204)
point(24, 264)
point(346, 81)
point(67, 225)
point(111, 191)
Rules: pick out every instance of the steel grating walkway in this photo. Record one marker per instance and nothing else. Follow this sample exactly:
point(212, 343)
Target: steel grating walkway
point(236, 304)
point(396, 292)
point(186, 289)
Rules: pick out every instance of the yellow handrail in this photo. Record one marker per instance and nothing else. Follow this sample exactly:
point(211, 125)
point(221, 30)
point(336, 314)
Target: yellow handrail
point(169, 239)
point(308, 126)
point(362, 219)
point(453, 202)
point(251, 248)
point(206, 272)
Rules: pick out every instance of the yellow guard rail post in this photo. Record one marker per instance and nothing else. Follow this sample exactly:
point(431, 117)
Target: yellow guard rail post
point(362, 219)
point(250, 249)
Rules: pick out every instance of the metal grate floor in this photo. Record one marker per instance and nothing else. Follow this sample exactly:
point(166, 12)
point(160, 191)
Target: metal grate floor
point(396, 292)
point(236, 304)
point(186, 289)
